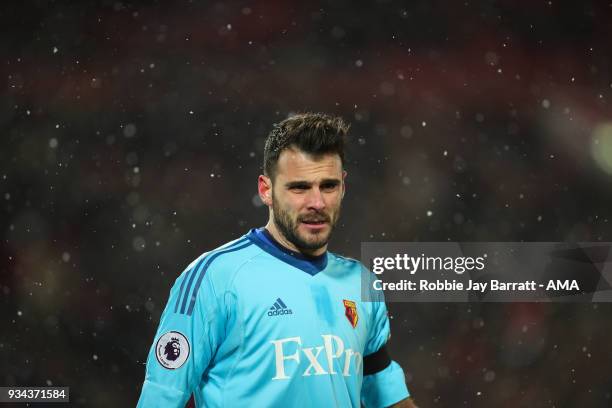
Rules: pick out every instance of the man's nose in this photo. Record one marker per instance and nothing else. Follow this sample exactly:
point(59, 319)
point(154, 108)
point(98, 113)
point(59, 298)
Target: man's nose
point(315, 199)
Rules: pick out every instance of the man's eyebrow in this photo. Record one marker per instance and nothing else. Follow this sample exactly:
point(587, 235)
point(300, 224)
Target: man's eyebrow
point(330, 181)
point(304, 183)
point(298, 183)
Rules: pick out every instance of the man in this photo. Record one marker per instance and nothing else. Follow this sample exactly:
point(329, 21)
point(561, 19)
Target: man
point(273, 319)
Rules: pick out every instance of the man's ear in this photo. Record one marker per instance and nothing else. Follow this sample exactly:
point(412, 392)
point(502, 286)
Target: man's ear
point(264, 188)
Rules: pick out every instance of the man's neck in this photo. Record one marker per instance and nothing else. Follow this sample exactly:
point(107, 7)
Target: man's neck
point(280, 238)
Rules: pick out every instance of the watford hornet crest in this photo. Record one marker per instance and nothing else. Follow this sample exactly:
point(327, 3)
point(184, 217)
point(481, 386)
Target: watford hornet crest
point(351, 312)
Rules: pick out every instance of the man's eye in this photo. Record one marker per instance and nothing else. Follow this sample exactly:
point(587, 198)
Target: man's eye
point(329, 186)
point(299, 188)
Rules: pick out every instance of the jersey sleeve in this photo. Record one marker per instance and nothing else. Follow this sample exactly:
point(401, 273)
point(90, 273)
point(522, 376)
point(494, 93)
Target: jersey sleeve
point(191, 328)
point(383, 382)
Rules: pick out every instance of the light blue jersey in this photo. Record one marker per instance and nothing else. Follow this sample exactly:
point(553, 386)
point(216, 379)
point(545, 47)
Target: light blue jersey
point(252, 324)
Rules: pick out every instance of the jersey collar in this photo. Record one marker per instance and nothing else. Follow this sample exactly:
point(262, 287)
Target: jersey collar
point(309, 264)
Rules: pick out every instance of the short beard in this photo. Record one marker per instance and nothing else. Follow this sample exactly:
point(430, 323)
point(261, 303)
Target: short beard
point(288, 228)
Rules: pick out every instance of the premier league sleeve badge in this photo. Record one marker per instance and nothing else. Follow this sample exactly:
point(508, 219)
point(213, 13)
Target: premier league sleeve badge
point(172, 350)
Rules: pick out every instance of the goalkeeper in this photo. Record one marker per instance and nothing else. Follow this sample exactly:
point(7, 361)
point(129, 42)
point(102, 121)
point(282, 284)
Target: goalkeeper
point(274, 319)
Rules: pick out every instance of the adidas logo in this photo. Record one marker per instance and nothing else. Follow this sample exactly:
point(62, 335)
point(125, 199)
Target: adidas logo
point(279, 308)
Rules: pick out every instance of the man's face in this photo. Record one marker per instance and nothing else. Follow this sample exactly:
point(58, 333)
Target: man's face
point(307, 194)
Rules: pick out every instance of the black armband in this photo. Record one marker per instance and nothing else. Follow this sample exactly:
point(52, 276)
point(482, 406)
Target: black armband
point(376, 362)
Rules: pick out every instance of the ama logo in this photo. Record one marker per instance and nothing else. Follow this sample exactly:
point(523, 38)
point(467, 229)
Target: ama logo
point(172, 350)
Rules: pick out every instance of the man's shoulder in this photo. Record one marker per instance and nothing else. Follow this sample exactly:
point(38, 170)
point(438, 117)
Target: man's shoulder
point(354, 265)
point(346, 262)
point(344, 259)
point(224, 258)
point(212, 270)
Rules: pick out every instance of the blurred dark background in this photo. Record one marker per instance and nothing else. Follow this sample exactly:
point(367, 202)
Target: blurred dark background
point(132, 137)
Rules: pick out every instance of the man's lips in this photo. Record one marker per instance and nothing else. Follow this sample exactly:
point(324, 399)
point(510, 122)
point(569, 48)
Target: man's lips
point(321, 220)
point(314, 224)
